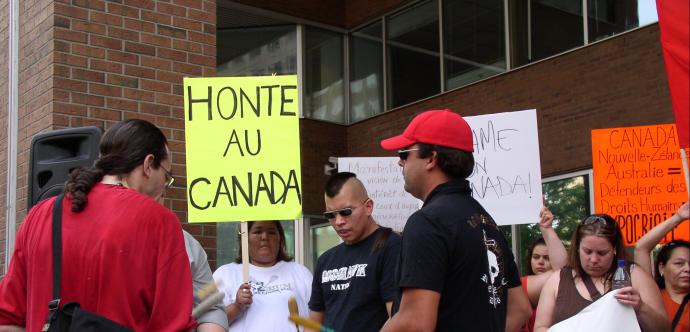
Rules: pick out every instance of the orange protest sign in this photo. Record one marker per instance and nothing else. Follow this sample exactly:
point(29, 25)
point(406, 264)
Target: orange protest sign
point(638, 178)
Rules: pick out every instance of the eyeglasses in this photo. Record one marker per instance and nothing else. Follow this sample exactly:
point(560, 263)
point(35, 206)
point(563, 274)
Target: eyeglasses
point(169, 179)
point(403, 154)
point(594, 220)
point(344, 212)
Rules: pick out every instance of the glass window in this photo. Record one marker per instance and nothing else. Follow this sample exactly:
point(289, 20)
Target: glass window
point(228, 242)
point(258, 51)
point(608, 17)
point(323, 76)
point(366, 72)
point(474, 42)
point(569, 201)
point(542, 28)
point(323, 237)
point(413, 54)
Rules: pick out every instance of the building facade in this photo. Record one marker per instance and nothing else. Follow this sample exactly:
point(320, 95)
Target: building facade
point(365, 69)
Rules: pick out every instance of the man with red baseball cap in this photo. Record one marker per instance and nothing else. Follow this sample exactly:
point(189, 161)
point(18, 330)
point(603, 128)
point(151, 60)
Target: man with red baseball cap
point(456, 271)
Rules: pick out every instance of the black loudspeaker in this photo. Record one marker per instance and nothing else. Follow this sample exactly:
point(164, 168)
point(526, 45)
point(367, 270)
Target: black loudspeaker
point(54, 155)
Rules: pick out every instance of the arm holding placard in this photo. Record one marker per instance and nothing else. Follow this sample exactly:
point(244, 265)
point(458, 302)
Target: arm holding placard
point(558, 256)
point(647, 242)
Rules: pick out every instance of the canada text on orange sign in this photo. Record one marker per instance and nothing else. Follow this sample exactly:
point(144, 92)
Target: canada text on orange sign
point(638, 178)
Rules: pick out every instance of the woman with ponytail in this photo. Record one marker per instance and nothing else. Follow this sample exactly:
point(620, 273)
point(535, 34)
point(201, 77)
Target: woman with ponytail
point(123, 253)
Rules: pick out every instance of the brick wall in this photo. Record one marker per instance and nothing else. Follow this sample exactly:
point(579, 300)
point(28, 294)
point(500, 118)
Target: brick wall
point(318, 141)
point(117, 60)
point(615, 83)
point(35, 67)
point(35, 86)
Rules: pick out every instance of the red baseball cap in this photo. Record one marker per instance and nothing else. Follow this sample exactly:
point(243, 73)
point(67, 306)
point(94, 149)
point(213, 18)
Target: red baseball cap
point(438, 127)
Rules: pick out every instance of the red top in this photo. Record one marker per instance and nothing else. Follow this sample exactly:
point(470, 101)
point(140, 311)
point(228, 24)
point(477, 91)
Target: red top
point(123, 257)
point(529, 325)
point(672, 308)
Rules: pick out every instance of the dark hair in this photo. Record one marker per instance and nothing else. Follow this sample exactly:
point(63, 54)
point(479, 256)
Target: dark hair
point(607, 229)
point(664, 255)
point(123, 147)
point(336, 181)
point(456, 164)
point(282, 248)
point(530, 251)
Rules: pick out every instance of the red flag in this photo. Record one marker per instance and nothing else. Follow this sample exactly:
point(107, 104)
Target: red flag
point(673, 23)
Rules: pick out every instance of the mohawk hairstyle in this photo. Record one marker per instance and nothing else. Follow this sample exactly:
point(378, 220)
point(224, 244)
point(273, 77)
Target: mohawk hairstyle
point(336, 181)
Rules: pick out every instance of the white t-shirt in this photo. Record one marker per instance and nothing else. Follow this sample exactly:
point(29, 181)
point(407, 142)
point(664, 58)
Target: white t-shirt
point(271, 289)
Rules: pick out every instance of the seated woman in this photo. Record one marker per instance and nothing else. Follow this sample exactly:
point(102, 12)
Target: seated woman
point(672, 269)
point(262, 304)
point(596, 246)
point(545, 254)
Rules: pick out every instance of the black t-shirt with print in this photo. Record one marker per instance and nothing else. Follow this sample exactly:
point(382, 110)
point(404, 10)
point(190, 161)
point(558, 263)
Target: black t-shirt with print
point(452, 246)
point(351, 284)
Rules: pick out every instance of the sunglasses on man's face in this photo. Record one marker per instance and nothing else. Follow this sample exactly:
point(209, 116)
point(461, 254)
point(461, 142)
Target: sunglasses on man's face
point(343, 212)
point(403, 154)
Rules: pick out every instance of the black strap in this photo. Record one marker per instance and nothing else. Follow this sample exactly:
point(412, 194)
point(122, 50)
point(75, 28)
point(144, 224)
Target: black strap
point(57, 249)
point(679, 313)
point(593, 291)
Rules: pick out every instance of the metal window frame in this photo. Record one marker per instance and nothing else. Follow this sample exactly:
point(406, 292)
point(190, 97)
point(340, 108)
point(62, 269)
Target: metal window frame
point(441, 47)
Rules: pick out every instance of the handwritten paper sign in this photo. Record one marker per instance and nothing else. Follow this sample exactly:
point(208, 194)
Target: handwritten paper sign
point(243, 153)
point(507, 172)
point(384, 182)
point(638, 178)
point(506, 178)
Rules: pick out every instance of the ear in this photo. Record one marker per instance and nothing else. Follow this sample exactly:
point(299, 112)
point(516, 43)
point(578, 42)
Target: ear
point(148, 165)
point(432, 161)
point(369, 207)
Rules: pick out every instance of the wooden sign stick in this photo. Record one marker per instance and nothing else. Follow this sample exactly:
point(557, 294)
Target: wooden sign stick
point(244, 234)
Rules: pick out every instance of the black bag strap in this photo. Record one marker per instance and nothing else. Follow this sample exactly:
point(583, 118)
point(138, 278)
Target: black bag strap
point(593, 291)
point(679, 313)
point(57, 251)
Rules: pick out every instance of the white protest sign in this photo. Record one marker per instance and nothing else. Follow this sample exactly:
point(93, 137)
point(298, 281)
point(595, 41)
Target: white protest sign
point(507, 173)
point(604, 315)
point(384, 182)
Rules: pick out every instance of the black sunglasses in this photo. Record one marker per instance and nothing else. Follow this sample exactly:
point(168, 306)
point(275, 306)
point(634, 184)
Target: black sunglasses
point(343, 212)
point(403, 154)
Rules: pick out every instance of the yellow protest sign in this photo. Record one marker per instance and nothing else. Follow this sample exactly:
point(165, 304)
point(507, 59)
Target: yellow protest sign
point(243, 152)
point(638, 178)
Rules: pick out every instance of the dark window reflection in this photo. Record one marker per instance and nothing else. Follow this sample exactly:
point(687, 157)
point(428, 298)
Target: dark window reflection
point(542, 28)
point(257, 51)
point(474, 40)
point(366, 72)
point(413, 54)
point(609, 17)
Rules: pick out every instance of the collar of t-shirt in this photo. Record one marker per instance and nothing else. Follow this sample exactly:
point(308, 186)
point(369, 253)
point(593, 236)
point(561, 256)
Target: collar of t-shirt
point(461, 186)
point(363, 241)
